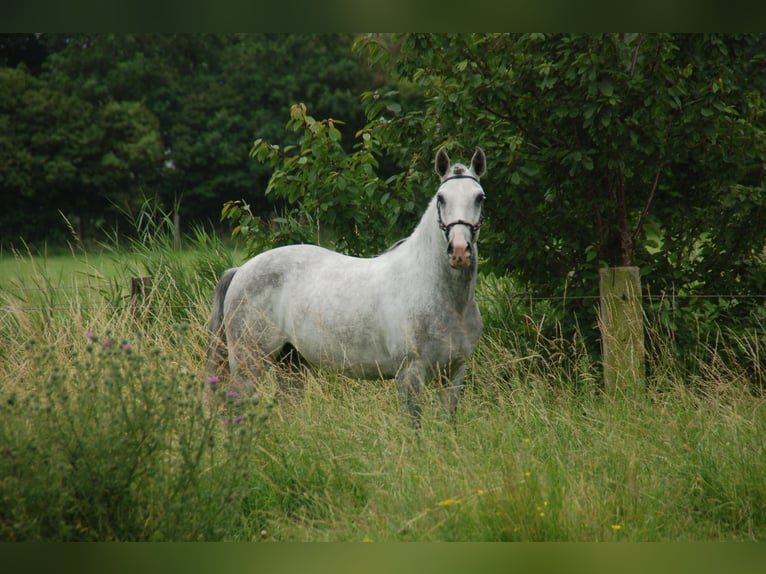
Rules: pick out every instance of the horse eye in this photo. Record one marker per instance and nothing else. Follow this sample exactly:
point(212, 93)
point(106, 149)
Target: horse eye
point(480, 199)
point(440, 199)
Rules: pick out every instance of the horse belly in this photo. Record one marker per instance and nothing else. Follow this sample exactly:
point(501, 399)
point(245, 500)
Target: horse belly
point(355, 346)
point(345, 334)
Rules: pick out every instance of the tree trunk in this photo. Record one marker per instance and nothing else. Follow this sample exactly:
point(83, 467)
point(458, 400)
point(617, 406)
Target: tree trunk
point(625, 242)
point(617, 241)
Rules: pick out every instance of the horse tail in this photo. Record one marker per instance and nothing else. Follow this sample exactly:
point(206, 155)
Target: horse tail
point(216, 349)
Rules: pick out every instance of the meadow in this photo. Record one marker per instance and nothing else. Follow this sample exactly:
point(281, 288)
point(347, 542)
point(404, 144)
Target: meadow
point(105, 434)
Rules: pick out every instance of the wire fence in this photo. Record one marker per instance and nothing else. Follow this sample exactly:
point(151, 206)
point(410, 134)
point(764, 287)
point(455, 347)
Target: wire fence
point(122, 295)
point(61, 297)
point(644, 297)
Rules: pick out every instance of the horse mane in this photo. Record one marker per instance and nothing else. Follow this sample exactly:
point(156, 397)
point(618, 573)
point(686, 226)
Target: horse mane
point(397, 244)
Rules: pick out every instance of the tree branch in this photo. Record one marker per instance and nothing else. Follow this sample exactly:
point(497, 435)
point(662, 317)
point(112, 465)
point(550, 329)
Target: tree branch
point(625, 242)
point(635, 54)
point(645, 211)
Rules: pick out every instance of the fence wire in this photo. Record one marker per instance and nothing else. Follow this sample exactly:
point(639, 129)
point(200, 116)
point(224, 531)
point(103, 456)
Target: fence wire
point(25, 293)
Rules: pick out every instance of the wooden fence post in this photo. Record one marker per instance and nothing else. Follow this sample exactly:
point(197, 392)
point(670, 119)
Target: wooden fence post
point(621, 321)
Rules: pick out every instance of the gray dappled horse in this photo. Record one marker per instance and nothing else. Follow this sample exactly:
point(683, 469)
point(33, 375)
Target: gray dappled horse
point(408, 313)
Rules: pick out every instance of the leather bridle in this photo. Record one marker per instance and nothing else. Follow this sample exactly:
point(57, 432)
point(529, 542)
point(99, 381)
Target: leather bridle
point(447, 227)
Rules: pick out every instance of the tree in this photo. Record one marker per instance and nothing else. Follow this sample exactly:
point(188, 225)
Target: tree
point(269, 73)
point(213, 95)
point(332, 195)
point(62, 155)
point(618, 149)
point(26, 49)
point(160, 72)
point(164, 116)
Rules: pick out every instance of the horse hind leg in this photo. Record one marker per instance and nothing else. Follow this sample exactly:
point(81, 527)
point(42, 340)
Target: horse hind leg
point(246, 367)
point(291, 371)
point(216, 369)
point(217, 363)
point(249, 350)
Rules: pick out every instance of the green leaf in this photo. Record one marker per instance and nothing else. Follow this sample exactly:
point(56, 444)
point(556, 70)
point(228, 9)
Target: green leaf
point(606, 87)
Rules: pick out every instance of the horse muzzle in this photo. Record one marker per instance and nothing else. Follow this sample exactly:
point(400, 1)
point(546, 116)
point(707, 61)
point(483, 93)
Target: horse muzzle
point(459, 252)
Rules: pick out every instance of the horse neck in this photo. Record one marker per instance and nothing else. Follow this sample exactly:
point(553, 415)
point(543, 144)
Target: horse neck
point(429, 253)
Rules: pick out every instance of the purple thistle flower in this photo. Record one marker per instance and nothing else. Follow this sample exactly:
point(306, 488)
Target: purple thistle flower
point(239, 419)
point(107, 343)
point(213, 381)
point(225, 422)
point(89, 334)
point(231, 394)
point(126, 346)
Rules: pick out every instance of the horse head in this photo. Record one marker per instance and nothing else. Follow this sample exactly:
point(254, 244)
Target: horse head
point(460, 206)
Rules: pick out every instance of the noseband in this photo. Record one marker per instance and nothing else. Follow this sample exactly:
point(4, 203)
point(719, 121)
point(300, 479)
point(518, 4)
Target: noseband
point(446, 227)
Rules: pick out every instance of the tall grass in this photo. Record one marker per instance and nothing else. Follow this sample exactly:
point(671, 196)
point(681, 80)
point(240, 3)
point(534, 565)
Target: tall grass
point(103, 436)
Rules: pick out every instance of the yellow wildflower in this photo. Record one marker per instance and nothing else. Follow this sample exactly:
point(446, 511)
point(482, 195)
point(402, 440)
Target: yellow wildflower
point(616, 527)
point(449, 502)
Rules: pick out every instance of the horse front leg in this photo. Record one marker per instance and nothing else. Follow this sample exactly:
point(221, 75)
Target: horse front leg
point(411, 379)
point(452, 389)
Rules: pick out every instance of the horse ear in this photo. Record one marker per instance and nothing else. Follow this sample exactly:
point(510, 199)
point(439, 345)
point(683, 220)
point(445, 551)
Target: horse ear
point(441, 163)
point(479, 162)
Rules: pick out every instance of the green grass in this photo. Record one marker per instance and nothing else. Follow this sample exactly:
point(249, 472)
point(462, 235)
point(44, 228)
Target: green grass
point(110, 443)
point(32, 276)
point(19, 269)
point(519, 464)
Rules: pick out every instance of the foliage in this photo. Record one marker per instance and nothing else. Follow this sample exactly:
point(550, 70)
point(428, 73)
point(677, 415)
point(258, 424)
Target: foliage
point(246, 96)
point(329, 193)
point(113, 443)
point(179, 268)
point(533, 327)
point(26, 49)
point(103, 431)
point(608, 150)
point(62, 154)
point(619, 149)
point(577, 120)
point(91, 121)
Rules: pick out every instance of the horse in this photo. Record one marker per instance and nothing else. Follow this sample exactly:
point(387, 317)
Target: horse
point(407, 314)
